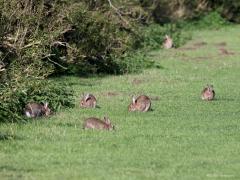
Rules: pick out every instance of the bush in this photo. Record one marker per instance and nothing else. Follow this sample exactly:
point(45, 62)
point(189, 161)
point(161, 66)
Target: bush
point(76, 37)
point(14, 97)
point(153, 35)
point(211, 20)
point(134, 62)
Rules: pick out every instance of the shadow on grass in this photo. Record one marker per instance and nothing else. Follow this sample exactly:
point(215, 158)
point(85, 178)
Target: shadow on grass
point(7, 136)
point(10, 168)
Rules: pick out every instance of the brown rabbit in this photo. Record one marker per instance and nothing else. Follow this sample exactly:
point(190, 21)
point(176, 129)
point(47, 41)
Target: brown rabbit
point(208, 93)
point(141, 103)
point(88, 101)
point(33, 110)
point(168, 42)
point(95, 123)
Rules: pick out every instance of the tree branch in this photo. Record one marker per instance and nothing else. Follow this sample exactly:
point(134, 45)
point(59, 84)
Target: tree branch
point(56, 63)
point(117, 11)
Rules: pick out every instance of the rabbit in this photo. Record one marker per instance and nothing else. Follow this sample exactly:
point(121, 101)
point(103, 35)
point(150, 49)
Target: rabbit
point(88, 101)
point(33, 110)
point(168, 42)
point(95, 123)
point(141, 103)
point(208, 93)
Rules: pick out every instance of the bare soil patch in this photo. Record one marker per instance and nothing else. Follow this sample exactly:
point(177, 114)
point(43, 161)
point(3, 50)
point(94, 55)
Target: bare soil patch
point(224, 51)
point(187, 48)
point(155, 98)
point(110, 93)
point(199, 44)
point(221, 44)
point(137, 81)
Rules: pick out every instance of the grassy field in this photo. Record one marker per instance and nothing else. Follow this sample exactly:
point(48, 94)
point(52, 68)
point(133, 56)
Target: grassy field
point(182, 138)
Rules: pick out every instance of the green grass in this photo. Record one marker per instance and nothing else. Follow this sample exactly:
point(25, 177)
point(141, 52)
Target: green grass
point(182, 138)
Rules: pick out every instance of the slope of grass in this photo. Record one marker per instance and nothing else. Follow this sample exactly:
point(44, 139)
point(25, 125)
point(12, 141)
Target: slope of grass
point(182, 138)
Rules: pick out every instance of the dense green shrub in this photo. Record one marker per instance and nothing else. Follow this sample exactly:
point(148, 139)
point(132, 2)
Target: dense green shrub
point(153, 35)
point(134, 62)
point(14, 97)
point(62, 37)
point(212, 20)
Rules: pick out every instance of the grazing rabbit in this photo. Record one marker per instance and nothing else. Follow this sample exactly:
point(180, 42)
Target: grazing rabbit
point(168, 42)
point(33, 110)
point(88, 101)
point(95, 123)
point(141, 103)
point(208, 93)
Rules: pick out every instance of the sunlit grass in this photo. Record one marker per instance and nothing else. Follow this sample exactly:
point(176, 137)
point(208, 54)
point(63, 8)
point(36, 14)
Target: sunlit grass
point(182, 138)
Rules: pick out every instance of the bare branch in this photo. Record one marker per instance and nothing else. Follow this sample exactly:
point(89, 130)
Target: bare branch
point(56, 63)
point(118, 12)
point(48, 55)
point(62, 44)
point(31, 44)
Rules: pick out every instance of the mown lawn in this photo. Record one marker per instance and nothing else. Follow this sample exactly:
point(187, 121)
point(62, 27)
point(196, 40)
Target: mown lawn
point(182, 138)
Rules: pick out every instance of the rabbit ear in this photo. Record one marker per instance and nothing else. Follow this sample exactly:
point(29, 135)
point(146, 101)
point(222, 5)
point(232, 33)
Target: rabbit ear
point(86, 97)
point(46, 105)
point(134, 99)
point(107, 120)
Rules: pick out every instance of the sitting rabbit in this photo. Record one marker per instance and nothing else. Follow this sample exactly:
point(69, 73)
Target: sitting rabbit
point(34, 110)
point(141, 103)
point(168, 42)
point(95, 123)
point(208, 93)
point(88, 101)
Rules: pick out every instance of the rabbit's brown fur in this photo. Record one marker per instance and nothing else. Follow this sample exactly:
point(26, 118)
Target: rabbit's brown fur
point(36, 110)
point(208, 93)
point(95, 123)
point(141, 103)
point(88, 101)
point(168, 42)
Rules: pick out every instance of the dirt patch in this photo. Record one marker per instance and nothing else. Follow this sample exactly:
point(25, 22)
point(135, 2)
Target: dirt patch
point(187, 48)
point(224, 51)
point(201, 58)
point(194, 46)
point(221, 44)
point(137, 81)
point(199, 44)
point(155, 98)
point(111, 94)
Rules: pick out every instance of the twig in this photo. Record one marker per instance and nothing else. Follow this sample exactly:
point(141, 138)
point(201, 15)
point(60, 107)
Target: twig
point(62, 44)
point(56, 63)
point(31, 44)
point(49, 55)
point(117, 11)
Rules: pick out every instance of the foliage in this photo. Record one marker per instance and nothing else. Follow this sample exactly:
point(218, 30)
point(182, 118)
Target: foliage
point(166, 11)
point(212, 20)
point(134, 62)
point(209, 21)
point(14, 97)
point(153, 35)
point(67, 36)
